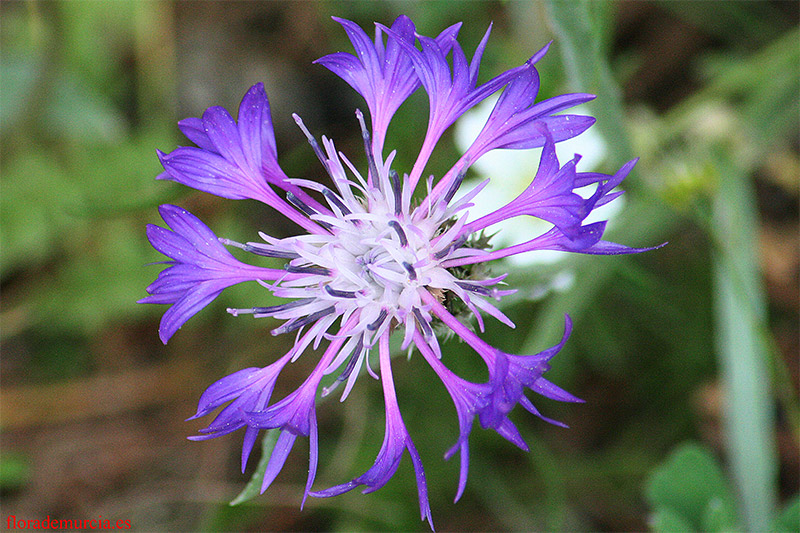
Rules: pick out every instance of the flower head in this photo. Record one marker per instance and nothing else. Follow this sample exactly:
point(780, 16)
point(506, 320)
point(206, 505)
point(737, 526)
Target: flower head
point(376, 254)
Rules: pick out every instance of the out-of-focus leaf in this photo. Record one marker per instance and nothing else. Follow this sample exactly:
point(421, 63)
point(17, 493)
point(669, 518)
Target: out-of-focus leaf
point(18, 72)
point(755, 95)
point(666, 520)
point(35, 191)
point(253, 487)
point(767, 100)
point(94, 37)
point(582, 29)
point(689, 489)
point(110, 264)
point(740, 308)
point(15, 471)
point(121, 177)
point(735, 22)
point(719, 515)
point(77, 113)
point(789, 517)
point(61, 208)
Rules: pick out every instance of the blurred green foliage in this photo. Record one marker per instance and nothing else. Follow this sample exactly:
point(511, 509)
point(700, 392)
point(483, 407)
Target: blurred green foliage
point(91, 89)
point(689, 492)
point(75, 165)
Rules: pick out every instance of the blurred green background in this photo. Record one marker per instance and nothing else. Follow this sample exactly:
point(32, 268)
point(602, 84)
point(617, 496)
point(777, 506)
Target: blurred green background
point(687, 357)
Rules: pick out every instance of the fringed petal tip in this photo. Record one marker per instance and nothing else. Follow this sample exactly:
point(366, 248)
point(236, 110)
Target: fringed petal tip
point(613, 248)
point(540, 54)
point(199, 438)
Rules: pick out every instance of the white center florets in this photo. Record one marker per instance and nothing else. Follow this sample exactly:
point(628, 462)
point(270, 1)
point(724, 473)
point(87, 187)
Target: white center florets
point(375, 258)
point(369, 268)
point(372, 264)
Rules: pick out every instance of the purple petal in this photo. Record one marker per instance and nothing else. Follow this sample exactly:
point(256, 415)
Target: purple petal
point(509, 374)
point(278, 458)
point(508, 125)
point(256, 133)
point(236, 161)
point(194, 131)
point(211, 173)
point(313, 457)
point(384, 77)
point(549, 197)
point(561, 127)
point(223, 133)
point(254, 384)
point(509, 431)
point(395, 442)
point(185, 308)
point(201, 269)
point(468, 398)
point(613, 248)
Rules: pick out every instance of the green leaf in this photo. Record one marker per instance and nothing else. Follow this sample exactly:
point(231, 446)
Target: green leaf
point(733, 22)
point(741, 333)
point(96, 54)
point(789, 517)
point(81, 114)
point(253, 487)
point(35, 190)
point(15, 471)
point(719, 515)
point(583, 30)
point(19, 72)
point(689, 491)
point(665, 520)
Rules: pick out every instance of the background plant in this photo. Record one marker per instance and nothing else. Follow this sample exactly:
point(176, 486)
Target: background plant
point(687, 357)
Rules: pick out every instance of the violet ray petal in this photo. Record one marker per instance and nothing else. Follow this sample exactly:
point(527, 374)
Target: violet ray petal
point(202, 268)
point(193, 129)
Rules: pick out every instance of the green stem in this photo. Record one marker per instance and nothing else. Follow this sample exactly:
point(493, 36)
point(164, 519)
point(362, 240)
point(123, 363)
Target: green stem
point(582, 30)
point(743, 354)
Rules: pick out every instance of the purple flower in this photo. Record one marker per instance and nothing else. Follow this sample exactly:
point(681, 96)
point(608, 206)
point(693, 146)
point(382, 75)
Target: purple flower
point(200, 270)
point(372, 260)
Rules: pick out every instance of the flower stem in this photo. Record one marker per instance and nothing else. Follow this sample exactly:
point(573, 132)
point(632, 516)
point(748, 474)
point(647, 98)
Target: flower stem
point(741, 347)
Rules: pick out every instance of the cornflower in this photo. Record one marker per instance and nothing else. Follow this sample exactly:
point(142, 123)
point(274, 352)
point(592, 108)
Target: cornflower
point(375, 259)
